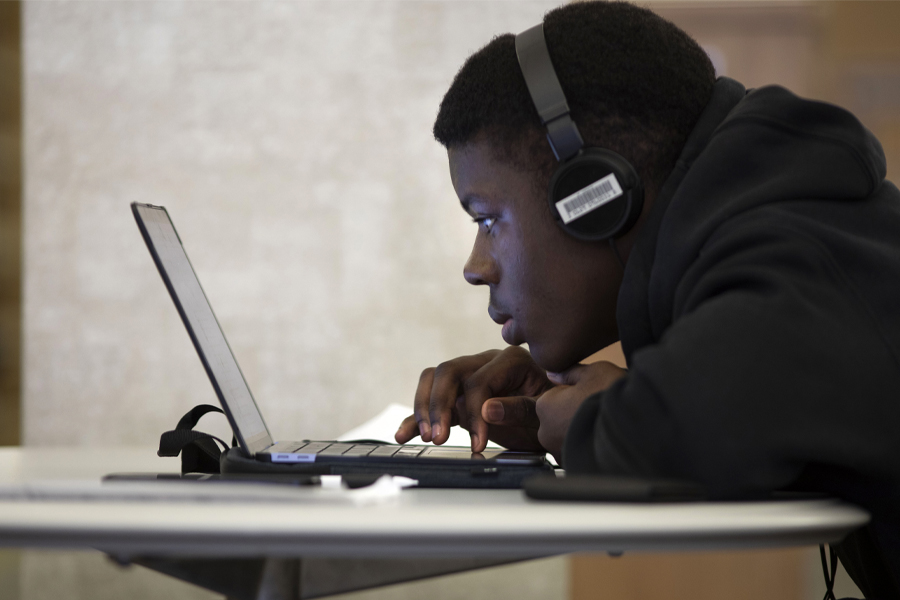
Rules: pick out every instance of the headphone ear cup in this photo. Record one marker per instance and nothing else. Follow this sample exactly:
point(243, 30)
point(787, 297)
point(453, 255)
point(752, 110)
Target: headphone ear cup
point(593, 215)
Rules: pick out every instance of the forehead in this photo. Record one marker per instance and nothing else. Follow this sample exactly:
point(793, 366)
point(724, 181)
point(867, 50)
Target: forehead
point(481, 177)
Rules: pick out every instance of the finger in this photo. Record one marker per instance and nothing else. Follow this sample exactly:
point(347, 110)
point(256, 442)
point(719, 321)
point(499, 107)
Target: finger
point(445, 389)
point(513, 411)
point(476, 395)
point(408, 429)
point(511, 371)
point(557, 378)
point(570, 376)
point(521, 376)
point(420, 407)
point(555, 409)
point(461, 413)
point(505, 374)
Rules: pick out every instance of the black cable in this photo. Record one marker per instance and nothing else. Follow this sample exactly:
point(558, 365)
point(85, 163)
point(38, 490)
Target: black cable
point(829, 580)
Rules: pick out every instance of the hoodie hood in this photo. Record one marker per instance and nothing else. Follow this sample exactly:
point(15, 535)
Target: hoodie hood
point(748, 149)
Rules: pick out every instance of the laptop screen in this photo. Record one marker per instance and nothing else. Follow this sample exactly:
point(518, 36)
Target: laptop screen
point(209, 340)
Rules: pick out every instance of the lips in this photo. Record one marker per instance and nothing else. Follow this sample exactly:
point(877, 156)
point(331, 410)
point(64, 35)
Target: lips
point(498, 317)
point(507, 321)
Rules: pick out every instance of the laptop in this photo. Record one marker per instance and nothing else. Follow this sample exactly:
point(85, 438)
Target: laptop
point(435, 466)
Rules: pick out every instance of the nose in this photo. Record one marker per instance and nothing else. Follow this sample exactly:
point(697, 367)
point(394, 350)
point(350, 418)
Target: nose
point(481, 268)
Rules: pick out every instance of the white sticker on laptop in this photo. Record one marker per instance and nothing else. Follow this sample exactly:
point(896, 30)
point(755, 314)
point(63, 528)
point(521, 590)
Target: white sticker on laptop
point(590, 198)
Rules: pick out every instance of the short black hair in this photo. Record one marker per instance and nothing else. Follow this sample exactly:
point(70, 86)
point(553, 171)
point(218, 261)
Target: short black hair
point(635, 83)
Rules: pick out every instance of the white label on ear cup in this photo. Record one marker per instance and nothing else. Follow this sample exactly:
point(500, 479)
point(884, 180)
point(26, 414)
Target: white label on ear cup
point(587, 199)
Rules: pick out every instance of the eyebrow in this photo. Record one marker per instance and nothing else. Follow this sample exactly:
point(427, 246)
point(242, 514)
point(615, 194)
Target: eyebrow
point(467, 201)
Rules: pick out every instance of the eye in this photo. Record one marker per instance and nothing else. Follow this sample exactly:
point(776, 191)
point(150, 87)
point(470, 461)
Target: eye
point(485, 224)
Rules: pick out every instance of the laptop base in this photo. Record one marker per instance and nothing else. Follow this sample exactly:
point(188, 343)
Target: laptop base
point(490, 475)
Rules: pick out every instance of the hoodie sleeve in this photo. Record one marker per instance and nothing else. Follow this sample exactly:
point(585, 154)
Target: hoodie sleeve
point(773, 361)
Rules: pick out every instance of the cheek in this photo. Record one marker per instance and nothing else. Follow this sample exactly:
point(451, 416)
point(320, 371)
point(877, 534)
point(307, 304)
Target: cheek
point(551, 273)
point(545, 293)
point(544, 272)
point(517, 261)
point(572, 295)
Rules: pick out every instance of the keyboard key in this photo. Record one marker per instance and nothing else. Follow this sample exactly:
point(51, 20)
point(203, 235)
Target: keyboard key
point(359, 450)
point(335, 450)
point(312, 447)
point(409, 451)
point(384, 451)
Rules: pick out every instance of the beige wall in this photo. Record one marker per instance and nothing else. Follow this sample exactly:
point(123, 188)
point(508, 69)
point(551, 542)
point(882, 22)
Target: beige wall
point(291, 142)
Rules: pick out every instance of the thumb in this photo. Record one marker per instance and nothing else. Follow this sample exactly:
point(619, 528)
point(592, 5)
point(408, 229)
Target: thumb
point(570, 376)
point(513, 411)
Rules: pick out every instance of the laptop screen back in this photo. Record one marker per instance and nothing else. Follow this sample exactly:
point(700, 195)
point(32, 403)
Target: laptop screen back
point(209, 340)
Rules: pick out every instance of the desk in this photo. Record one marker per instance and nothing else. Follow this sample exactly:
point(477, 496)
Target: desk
point(345, 547)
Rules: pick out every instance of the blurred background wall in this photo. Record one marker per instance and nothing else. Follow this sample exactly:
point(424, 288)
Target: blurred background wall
point(291, 143)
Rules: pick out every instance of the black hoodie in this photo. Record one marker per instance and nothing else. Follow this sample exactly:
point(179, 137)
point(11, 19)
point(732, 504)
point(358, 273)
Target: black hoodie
point(760, 317)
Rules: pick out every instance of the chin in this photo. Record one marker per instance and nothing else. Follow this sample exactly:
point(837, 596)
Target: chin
point(557, 360)
point(547, 359)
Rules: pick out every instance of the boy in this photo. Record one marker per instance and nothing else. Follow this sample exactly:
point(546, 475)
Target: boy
point(756, 290)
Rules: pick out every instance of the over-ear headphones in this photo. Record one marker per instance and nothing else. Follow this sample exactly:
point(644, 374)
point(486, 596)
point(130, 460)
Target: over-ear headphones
point(595, 193)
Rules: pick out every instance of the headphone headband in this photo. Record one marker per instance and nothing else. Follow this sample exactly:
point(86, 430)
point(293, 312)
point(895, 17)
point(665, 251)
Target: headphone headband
point(547, 94)
point(594, 194)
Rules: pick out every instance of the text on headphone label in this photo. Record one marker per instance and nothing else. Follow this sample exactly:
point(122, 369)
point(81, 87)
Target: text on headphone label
point(587, 199)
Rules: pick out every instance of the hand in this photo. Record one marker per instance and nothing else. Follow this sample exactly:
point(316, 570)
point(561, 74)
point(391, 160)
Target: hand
point(453, 394)
point(553, 410)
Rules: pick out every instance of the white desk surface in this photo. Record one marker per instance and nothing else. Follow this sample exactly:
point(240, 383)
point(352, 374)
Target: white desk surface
point(421, 523)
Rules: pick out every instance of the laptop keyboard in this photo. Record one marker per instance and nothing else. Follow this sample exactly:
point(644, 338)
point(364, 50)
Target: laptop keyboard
point(339, 449)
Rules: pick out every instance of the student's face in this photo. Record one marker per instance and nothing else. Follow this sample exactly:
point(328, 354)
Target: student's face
point(548, 289)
